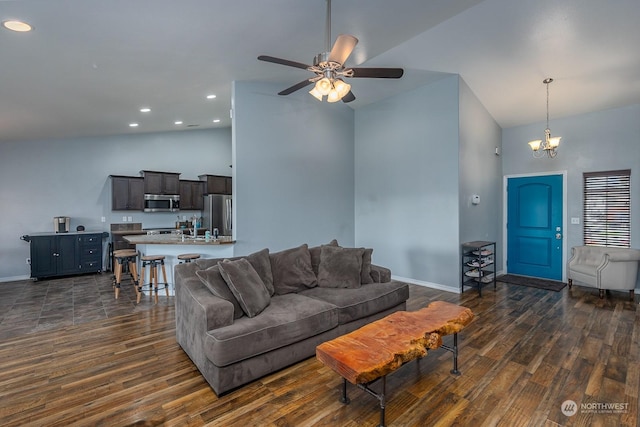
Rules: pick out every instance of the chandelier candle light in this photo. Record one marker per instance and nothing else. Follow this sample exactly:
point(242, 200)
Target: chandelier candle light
point(549, 145)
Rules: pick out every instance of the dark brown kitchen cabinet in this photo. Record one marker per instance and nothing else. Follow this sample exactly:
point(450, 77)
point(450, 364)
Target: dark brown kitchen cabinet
point(65, 254)
point(127, 193)
point(191, 193)
point(217, 184)
point(161, 182)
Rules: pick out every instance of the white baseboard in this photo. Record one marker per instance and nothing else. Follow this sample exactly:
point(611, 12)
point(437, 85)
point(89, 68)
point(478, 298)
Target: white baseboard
point(427, 284)
point(13, 279)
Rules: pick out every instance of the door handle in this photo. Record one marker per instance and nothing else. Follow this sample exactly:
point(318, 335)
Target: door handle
point(558, 236)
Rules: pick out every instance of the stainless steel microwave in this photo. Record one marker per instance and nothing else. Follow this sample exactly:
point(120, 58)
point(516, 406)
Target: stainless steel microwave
point(161, 202)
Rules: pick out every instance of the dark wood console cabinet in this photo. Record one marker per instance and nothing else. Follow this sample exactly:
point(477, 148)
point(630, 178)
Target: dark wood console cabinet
point(65, 254)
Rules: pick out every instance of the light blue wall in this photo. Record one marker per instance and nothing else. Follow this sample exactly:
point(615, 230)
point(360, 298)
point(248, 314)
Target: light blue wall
point(293, 165)
point(480, 172)
point(598, 141)
point(407, 182)
point(43, 179)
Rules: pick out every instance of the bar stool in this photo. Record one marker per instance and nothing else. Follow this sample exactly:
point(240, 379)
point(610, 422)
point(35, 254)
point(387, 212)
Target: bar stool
point(188, 257)
point(128, 257)
point(153, 261)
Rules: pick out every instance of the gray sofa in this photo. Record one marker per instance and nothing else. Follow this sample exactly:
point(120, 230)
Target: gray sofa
point(243, 318)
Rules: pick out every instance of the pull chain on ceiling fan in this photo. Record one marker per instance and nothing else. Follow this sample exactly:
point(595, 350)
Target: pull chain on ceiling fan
point(329, 68)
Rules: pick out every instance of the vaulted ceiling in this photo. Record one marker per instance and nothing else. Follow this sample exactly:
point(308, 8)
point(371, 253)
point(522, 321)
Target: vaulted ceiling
point(89, 66)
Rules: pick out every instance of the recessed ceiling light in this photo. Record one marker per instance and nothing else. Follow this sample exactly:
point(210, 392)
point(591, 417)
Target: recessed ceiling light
point(133, 125)
point(177, 122)
point(212, 96)
point(216, 120)
point(15, 25)
point(145, 110)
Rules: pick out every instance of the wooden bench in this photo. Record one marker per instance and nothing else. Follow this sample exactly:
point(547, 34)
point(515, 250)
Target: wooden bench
point(379, 348)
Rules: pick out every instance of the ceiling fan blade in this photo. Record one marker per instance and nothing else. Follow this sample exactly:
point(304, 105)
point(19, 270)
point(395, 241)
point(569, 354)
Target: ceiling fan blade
point(348, 97)
point(379, 73)
point(342, 48)
point(283, 62)
point(295, 87)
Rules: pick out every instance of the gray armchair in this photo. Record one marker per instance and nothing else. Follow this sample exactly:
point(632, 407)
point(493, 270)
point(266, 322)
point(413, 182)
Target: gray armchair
point(604, 268)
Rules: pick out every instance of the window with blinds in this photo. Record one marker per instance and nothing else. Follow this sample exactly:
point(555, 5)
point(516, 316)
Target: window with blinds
point(607, 208)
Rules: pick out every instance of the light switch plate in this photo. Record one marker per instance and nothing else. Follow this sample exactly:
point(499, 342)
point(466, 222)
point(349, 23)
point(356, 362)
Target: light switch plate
point(575, 220)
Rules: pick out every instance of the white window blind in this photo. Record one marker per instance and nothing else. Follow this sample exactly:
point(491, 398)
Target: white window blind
point(607, 213)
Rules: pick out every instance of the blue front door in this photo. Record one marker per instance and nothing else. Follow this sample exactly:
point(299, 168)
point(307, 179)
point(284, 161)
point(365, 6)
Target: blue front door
point(534, 226)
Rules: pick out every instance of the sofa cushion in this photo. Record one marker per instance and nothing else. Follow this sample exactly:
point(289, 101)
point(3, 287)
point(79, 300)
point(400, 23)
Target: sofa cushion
point(246, 285)
point(204, 263)
point(213, 280)
point(315, 255)
point(365, 272)
point(259, 260)
point(354, 304)
point(340, 267)
point(262, 264)
point(292, 271)
point(288, 319)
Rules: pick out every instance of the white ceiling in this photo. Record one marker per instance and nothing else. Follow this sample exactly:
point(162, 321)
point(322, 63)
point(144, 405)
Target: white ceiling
point(90, 65)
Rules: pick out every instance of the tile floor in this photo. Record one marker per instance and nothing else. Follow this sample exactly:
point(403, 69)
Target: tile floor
point(27, 306)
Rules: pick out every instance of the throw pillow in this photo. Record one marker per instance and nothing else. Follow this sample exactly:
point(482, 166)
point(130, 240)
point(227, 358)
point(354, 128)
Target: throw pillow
point(246, 285)
point(262, 264)
point(365, 272)
point(213, 280)
point(340, 267)
point(315, 255)
point(292, 271)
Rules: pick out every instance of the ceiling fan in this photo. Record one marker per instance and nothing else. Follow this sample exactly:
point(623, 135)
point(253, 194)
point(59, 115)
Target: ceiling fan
point(330, 71)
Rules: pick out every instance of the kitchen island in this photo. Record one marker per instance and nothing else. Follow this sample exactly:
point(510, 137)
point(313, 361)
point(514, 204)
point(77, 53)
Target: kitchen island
point(172, 245)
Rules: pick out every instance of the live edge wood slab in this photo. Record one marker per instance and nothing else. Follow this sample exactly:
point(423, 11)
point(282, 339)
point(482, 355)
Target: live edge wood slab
point(381, 347)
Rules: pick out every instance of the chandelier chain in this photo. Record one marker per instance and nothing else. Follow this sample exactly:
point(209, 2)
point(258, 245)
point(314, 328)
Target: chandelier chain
point(548, 105)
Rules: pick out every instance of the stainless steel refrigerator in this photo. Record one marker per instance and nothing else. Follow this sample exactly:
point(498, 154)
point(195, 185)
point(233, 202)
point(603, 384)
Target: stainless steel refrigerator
point(218, 213)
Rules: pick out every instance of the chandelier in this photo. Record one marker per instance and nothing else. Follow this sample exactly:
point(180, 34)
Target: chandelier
point(549, 145)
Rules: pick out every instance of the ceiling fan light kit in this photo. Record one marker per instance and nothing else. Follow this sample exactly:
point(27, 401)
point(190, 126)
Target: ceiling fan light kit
point(330, 71)
point(550, 144)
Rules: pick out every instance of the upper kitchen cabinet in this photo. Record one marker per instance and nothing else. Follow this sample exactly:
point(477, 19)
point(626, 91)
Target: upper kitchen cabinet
point(191, 193)
point(217, 184)
point(127, 193)
point(161, 182)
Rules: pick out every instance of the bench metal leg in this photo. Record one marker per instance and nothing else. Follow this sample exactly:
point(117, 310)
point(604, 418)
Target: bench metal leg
point(380, 396)
point(453, 350)
point(344, 398)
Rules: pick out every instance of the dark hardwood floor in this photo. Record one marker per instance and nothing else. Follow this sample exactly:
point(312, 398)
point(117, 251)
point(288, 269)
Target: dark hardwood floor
point(527, 351)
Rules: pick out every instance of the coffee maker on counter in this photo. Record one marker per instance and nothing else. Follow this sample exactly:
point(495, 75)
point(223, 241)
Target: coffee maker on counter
point(61, 224)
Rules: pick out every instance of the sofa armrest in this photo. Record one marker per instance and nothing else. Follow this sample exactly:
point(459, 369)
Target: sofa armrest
point(380, 274)
point(197, 312)
point(623, 255)
point(586, 255)
point(199, 307)
point(619, 269)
